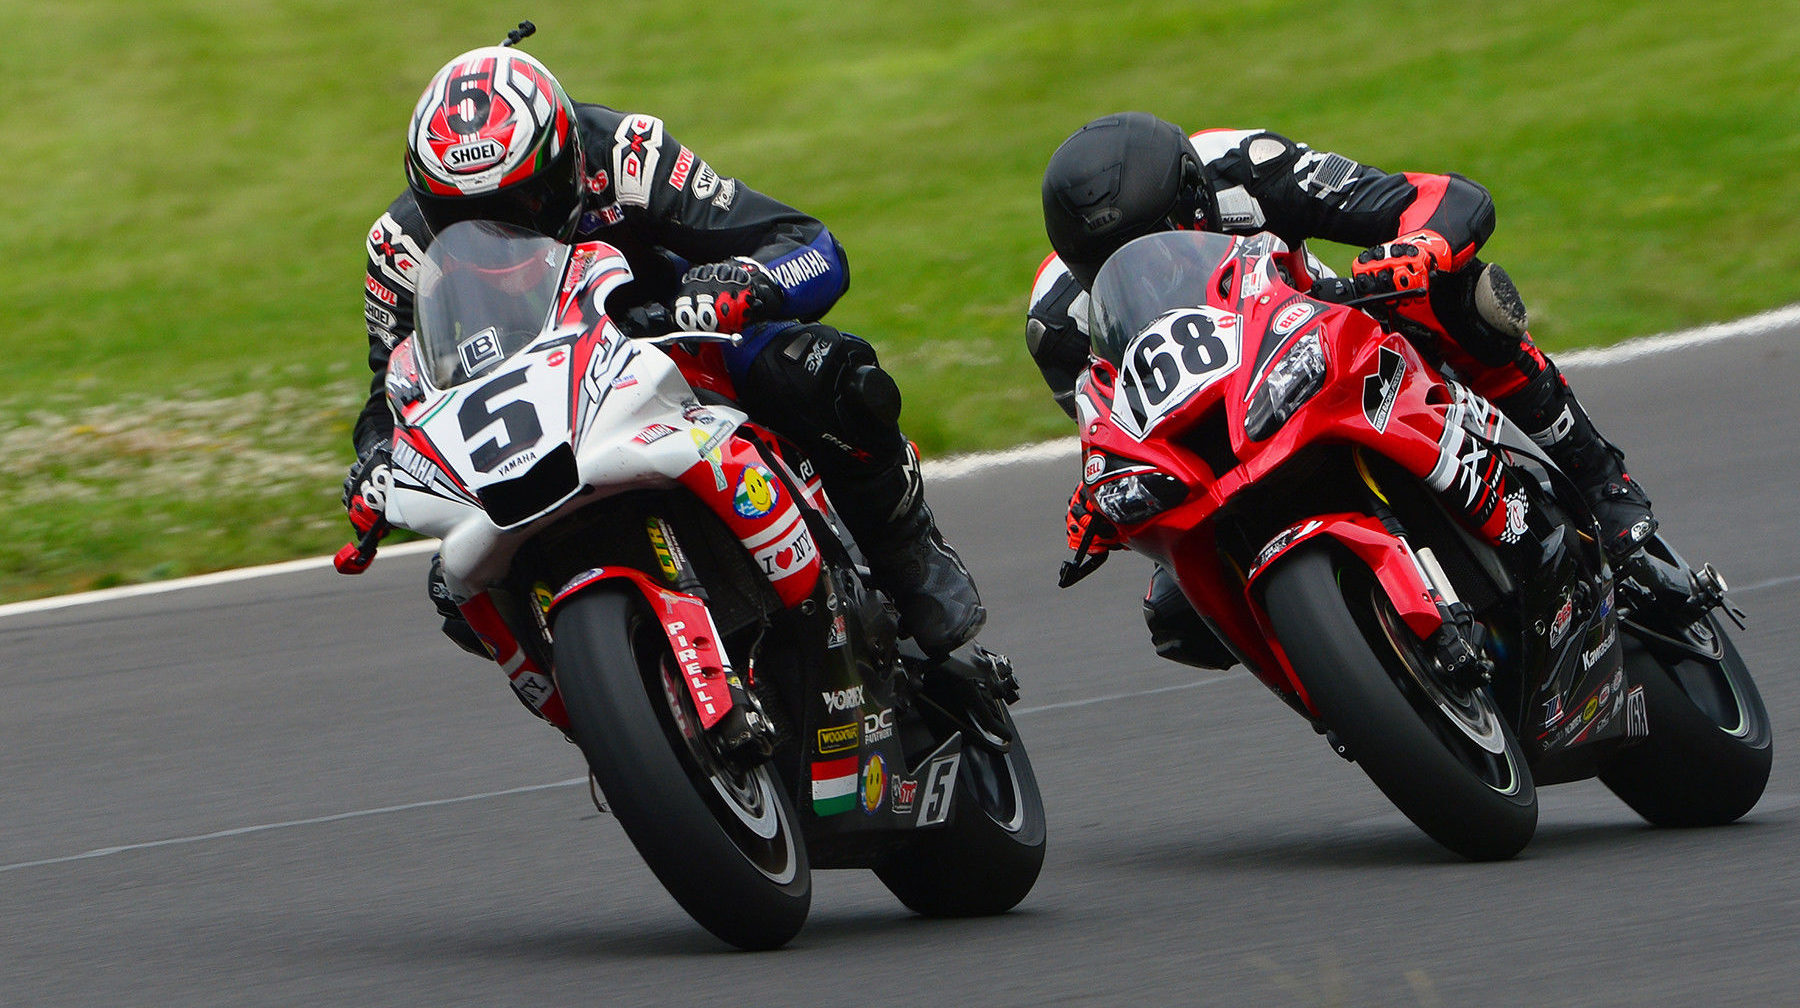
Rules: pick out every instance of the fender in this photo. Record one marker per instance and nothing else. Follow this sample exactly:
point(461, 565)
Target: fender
point(1385, 554)
point(689, 626)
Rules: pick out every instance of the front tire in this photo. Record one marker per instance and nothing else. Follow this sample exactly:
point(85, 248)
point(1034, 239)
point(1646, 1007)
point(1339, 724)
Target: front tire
point(1441, 753)
point(987, 857)
point(1707, 757)
point(720, 836)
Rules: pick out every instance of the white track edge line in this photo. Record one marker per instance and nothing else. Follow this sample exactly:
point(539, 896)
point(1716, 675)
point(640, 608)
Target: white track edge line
point(100, 852)
point(950, 467)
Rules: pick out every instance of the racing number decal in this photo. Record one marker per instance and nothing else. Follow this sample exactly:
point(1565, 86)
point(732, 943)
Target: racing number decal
point(940, 788)
point(1197, 351)
point(467, 106)
point(518, 418)
point(1178, 355)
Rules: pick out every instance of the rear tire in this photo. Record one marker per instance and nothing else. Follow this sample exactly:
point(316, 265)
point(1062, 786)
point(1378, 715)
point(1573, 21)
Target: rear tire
point(721, 837)
point(987, 857)
point(1441, 754)
point(1707, 757)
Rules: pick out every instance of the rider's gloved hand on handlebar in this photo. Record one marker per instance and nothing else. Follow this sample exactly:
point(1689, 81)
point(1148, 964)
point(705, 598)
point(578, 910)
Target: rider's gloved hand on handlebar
point(366, 489)
point(724, 297)
point(1402, 265)
point(1088, 528)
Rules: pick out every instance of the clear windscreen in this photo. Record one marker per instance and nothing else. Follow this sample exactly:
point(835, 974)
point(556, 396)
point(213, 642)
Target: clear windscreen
point(485, 291)
point(1142, 281)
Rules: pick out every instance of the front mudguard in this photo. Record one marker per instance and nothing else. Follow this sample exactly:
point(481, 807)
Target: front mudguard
point(1387, 556)
point(688, 625)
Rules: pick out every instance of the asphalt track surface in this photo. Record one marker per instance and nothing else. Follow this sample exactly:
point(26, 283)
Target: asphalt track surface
point(290, 790)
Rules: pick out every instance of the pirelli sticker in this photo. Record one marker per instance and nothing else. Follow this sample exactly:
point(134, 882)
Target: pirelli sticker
point(840, 738)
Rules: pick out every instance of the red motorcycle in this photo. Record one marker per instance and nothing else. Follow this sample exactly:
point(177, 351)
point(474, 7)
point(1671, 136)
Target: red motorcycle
point(1394, 558)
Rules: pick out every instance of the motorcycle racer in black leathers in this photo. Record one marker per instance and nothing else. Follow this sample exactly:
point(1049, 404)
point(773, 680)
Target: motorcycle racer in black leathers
point(1124, 176)
point(495, 137)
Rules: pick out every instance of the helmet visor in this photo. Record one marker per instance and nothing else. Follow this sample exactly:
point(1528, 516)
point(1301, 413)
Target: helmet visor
point(547, 203)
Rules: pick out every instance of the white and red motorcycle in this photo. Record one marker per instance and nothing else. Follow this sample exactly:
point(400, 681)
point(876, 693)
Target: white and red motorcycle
point(665, 581)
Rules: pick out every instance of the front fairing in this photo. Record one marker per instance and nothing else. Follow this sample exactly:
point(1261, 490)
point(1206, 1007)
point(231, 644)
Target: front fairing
point(498, 431)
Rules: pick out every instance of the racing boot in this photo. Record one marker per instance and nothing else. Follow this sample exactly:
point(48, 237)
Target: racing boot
point(456, 625)
point(1548, 411)
point(887, 515)
point(1176, 630)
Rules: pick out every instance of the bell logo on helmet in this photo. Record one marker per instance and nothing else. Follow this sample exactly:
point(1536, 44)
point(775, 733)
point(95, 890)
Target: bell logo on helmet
point(1104, 218)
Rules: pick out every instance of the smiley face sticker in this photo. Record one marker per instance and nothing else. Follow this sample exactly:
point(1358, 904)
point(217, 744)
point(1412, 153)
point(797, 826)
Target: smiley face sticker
point(756, 494)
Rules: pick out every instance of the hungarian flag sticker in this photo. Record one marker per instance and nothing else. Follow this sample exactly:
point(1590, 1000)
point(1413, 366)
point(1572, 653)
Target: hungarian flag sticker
point(834, 785)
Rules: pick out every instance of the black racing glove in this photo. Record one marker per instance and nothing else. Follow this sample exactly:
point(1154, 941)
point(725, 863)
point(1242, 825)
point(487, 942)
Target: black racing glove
point(366, 489)
point(725, 297)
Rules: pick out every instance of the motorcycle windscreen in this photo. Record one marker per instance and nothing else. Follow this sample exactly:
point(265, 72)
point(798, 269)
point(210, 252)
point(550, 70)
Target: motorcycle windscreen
point(485, 291)
point(1142, 281)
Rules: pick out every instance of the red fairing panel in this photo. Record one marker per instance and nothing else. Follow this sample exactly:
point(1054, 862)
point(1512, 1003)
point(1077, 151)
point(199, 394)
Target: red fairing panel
point(733, 480)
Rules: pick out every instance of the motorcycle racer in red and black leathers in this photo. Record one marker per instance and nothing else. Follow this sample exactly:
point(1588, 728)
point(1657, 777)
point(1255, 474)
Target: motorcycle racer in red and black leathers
point(1124, 176)
point(495, 137)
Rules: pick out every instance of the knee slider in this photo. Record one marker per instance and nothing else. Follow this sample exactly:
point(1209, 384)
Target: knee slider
point(828, 384)
point(1498, 303)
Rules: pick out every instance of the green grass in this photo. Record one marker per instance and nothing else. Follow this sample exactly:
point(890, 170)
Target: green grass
point(190, 182)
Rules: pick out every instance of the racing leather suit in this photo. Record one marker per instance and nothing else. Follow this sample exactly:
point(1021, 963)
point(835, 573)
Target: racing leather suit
point(1260, 181)
point(1473, 321)
point(666, 209)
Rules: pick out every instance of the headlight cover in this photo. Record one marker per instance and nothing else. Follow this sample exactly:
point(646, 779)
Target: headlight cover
point(1138, 497)
point(1293, 379)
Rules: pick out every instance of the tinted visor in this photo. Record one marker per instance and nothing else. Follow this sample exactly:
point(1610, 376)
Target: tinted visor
point(547, 203)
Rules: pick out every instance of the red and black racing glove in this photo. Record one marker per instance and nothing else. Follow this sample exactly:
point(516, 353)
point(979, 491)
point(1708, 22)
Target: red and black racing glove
point(366, 489)
point(724, 297)
point(1090, 531)
point(1402, 265)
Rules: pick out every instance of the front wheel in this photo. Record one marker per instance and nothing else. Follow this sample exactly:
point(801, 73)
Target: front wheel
point(1708, 753)
point(720, 836)
point(1440, 752)
point(988, 856)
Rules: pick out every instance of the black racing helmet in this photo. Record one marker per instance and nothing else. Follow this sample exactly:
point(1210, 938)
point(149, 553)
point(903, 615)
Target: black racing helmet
point(1117, 178)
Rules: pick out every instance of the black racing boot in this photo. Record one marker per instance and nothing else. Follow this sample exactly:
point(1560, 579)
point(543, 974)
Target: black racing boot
point(455, 626)
point(1548, 411)
point(1176, 630)
point(887, 515)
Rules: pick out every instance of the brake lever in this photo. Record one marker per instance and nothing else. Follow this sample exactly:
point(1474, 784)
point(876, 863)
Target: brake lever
point(694, 336)
point(355, 557)
point(1081, 566)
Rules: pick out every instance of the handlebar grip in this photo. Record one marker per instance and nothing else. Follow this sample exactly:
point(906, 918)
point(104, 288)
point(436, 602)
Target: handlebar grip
point(355, 557)
point(352, 560)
